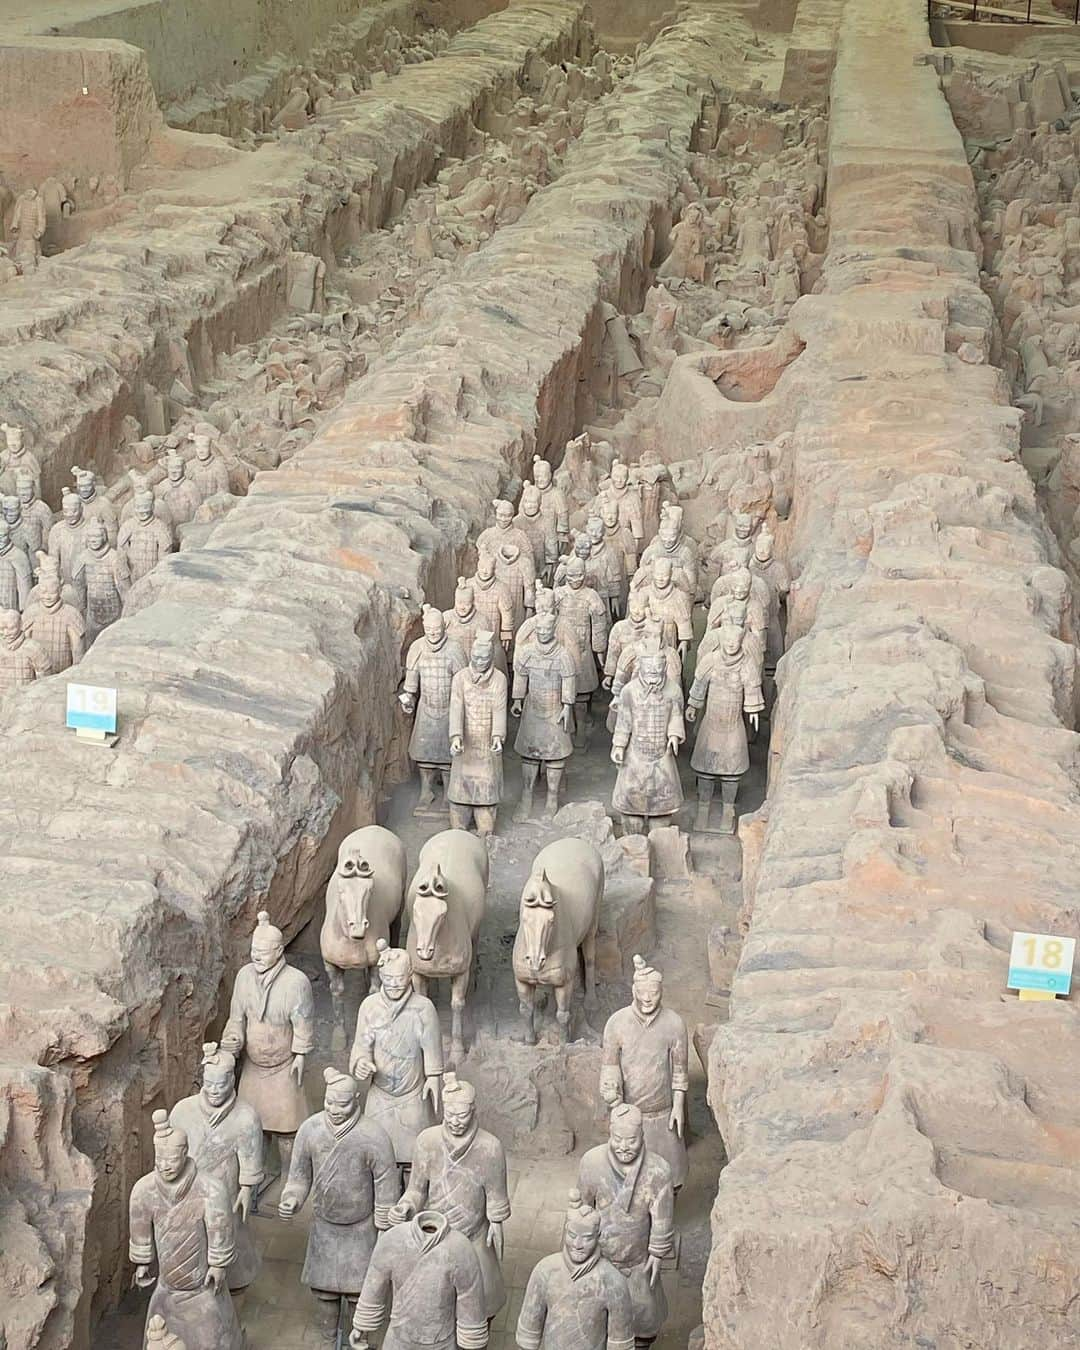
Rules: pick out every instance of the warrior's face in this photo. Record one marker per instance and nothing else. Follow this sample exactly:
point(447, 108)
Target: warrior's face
point(575, 574)
point(72, 509)
point(530, 502)
point(504, 515)
point(170, 1157)
point(26, 492)
point(95, 533)
point(434, 626)
point(265, 953)
point(485, 567)
point(579, 1242)
point(662, 574)
point(609, 514)
point(202, 448)
point(217, 1084)
point(144, 505)
point(11, 510)
point(652, 669)
point(648, 996)
point(483, 657)
point(743, 525)
point(740, 584)
point(595, 529)
point(627, 1139)
point(545, 628)
point(10, 627)
point(620, 475)
point(339, 1102)
point(395, 985)
point(175, 468)
point(458, 1115)
point(542, 474)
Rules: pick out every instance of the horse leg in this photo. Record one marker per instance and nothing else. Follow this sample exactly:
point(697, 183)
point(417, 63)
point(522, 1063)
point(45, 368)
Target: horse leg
point(588, 953)
point(459, 985)
point(420, 984)
point(336, 979)
point(395, 928)
point(564, 996)
point(526, 1006)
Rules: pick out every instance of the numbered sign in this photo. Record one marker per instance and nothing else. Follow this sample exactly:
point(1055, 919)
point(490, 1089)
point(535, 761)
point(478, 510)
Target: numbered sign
point(1041, 961)
point(91, 711)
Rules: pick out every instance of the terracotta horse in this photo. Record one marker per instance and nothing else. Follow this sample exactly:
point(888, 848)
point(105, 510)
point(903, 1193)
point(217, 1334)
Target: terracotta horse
point(363, 904)
point(446, 902)
point(560, 908)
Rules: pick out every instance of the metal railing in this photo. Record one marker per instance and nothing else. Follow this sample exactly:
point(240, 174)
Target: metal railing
point(1002, 10)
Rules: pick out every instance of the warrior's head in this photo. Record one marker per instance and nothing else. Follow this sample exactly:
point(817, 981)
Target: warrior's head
point(267, 944)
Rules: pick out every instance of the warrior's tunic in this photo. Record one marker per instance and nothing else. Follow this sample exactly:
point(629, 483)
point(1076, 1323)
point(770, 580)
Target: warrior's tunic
point(272, 1018)
point(645, 1061)
point(402, 1039)
point(569, 1307)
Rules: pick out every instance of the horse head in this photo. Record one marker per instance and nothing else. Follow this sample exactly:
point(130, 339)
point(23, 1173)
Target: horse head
point(428, 912)
point(537, 920)
point(356, 884)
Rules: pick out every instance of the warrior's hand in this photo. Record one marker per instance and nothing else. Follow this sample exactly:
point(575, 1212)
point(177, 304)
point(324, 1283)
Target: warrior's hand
point(607, 682)
point(296, 1069)
point(457, 745)
point(401, 1212)
point(754, 720)
point(243, 1203)
point(358, 1340)
point(566, 717)
point(515, 708)
point(684, 647)
point(362, 1069)
point(618, 754)
point(652, 1270)
point(675, 1119)
point(216, 1276)
point(144, 1278)
point(691, 713)
point(431, 1090)
point(673, 744)
point(287, 1206)
point(408, 704)
point(496, 745)
point(495, 1239)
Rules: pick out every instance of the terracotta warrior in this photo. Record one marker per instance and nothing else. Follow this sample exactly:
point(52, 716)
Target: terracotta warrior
point(225, 1139)
point(576, 1299)
point(774, 573)
point(586, 614)
point(28, 227)
point(727, 684)
point(459, 1170)
point(494, 607)
point(657, 492)
point(205, 469)
point(615, 542)
point(539, 529)
point(428, 1274)
point(94, 505)
point(16, 578)
point(67, 538)
point(545, 688)
point(184, 1221)
point(144, 539)
point(272, 1020)
point(638, 626)
point(631, 1188)
point(742, 601)
point(398, 1048)
point(645, 1063)
point(669, 603)
point(101, 581)
point(53, 623)
point(430, 666)
point(503, 531)
point(176, 493)
point(626, 498)
point(514, 568)
point(463, 623)
point(675, 546)
point(553, 504)
point(478, 698)
point(345, 1163)
point(37, 519)
point(21, 658)
point(686, 261)
point(649, 733)
point(607, 566)
point(17, 459)
point(18, 532)
point(545, 604)
point(738, 548)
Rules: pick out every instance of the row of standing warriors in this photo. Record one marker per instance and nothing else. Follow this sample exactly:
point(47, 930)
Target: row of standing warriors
point(64, 579)
point(407, 1213)
point(619, 613)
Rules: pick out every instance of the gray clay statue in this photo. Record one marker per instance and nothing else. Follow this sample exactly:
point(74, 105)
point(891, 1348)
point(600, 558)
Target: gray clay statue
point(478, 699)
point(272, 1020)
point(183, 1221)
point(345, 1163)
point(545, 688)
point(430, 666)
point(727, 684)
point(649, 733)
point(645, 1063)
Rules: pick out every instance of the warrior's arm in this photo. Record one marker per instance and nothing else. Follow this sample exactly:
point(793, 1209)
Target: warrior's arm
point(530, 1325)
point(431, 1043)
point(753, 699)
point(141, 1232)
point(620, 1327)
point(249, 1151)
point(470, 1314)
point(457, 708)
point(234, 1035)
point(301, 1174)
point(374, 1296)
point(416, 1193)
point(611, 1079)
point(386, 1176)
point(662, 1225)
point(498, 713)
point(220, 1228)
point(303, 1019)
point(496, 1189)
